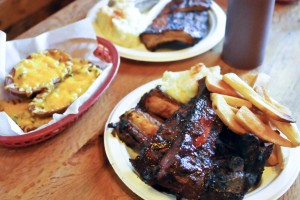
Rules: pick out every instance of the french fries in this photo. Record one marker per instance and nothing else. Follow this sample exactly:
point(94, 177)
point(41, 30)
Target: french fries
point(225, 113)
point(245, 106)
point(290, 130)
point(248, 93)
point(255, 80)
point(248, 119)
point(237, 102)
point(276, 157)
point(217, 85)
point(273, 159)
point(276, 104)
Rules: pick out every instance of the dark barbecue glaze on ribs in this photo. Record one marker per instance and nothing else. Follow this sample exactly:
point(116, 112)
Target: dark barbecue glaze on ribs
point(183, 21)
point(223, 165)
point(173, 161)
point(186, 5)
point(158, 103)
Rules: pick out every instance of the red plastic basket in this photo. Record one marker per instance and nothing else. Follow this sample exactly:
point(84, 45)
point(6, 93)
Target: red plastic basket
point(105, 51)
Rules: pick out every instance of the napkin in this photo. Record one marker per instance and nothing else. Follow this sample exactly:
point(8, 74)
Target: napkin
point(78, 39)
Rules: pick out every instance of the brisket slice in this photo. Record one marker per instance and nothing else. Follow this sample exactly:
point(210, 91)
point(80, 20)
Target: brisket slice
point(226, 166)
point(180, 22)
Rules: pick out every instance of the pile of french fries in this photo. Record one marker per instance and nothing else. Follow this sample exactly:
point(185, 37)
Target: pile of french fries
point(244, 105)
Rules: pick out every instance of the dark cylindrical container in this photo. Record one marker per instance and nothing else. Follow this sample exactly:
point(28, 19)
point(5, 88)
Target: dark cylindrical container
point(247, 27)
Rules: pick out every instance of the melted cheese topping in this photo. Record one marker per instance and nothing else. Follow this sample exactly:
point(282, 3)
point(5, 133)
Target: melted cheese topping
point(19, 112)
point(40, 71)
point(66, 92)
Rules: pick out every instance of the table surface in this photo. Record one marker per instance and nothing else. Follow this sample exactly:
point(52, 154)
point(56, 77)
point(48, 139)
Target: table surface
point(73, 164)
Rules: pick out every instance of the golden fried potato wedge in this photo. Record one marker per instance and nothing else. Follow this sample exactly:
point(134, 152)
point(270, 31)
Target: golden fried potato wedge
point(281, 163)
point(273, 159)
point(225, 113)
point(290, 130)
point(248, 93)
point(254, 80)
point(261, 80)
point(237, 102)
point(276, 157)
point(217, 85)
point(249, 78)
point(248, 119)
point(275, 103)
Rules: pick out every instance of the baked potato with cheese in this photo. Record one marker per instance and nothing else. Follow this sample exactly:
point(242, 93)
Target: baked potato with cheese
point(57, 100)
point(18, 111)
point(48, 82)
point(38, 72)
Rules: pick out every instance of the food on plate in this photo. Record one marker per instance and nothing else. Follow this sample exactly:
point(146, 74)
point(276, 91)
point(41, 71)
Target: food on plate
point(255, 80)
point(136, 128)
point(249, 93)
point(57, 100)
point(276, 158)
point(182, 21)
point(121, 24)
point(225, 113)
point(158, 103)
point(18, 111)
point(252, 123)
point(188, 5)
point(212, 169)
point(191, 148)
point(154, 23)
point(182, 86)
point(51, 81)
point(237, 102)
point(216, 84)
point(39, 71)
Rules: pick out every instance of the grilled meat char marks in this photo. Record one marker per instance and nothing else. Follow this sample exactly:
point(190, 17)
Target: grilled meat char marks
point(180, 21)
point(186, 5)
point(158, 103)
point(239, 162)
point(136, 128)
point(223, 165)
point(173, 161)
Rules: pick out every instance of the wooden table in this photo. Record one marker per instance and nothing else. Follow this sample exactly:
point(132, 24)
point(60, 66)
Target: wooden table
point(73, 165)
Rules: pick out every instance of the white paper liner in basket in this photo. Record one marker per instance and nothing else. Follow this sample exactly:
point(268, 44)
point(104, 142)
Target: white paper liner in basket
point(78, 39)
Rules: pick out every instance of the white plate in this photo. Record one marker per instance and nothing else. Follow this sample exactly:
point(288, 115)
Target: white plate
point(274, 183)
point(217, 19)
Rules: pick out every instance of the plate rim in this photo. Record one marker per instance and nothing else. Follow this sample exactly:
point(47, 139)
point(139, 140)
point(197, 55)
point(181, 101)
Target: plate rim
point(217, 16)
point(281, 183)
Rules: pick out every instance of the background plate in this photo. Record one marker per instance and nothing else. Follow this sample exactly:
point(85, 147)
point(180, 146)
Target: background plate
point(217, 19)
point(274, 183)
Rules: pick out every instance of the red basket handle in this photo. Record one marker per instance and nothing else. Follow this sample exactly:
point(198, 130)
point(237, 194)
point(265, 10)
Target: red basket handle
point(101, 51)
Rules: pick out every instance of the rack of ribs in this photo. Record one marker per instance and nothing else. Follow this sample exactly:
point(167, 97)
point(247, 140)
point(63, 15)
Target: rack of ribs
point(184, 22)
point(186, 150)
